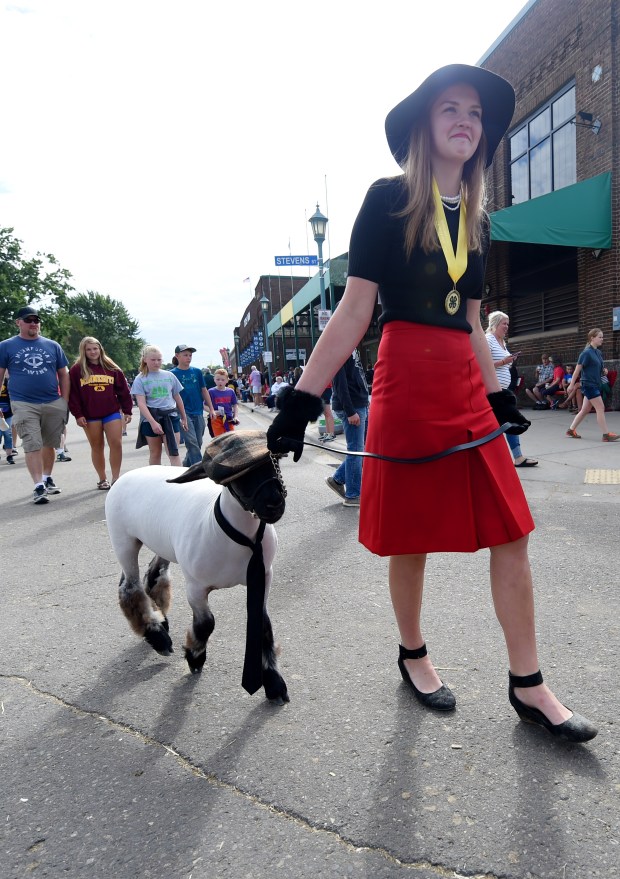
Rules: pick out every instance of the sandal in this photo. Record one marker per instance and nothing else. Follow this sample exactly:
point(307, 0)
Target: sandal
point(575, 729)
point(527, 462)
point(104, 485)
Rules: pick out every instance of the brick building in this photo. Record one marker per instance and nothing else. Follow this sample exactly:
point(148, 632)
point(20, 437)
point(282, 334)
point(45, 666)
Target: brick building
point(279, 291)
point(554, 199)
point(292, 319)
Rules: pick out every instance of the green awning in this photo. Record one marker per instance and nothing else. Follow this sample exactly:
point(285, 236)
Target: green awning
point(576, 216)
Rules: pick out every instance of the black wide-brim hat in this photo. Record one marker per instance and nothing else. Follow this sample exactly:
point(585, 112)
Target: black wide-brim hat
point(497, 98)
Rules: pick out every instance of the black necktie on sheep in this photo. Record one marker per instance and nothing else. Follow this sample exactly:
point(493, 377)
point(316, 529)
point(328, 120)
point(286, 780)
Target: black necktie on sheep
point(252, 679)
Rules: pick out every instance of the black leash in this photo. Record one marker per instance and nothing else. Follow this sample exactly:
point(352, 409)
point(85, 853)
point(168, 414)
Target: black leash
point(252, 678)
point(462, 447)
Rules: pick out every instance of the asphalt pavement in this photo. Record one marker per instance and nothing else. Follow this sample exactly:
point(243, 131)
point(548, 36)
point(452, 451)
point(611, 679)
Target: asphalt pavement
point(117, 762)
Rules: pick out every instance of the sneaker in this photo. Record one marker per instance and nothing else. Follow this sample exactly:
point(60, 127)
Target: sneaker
point(9, 459)
point(51, 487)
point(351, 501)
point(338, 487)
point(327, 437)
point(573, 433)
point(39, 495)
point(62, 456)
point(610, 437)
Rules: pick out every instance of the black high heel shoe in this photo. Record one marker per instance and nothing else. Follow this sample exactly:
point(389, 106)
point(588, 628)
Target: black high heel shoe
point(575, 729)
point(442, 699)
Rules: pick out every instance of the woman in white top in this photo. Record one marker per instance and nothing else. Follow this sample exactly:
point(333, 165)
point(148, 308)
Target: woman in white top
point(502, 360)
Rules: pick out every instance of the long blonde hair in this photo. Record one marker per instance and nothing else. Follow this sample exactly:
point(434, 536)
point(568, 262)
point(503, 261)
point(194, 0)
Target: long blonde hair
point(148, 349)
point(420, 208)
point(104, 361)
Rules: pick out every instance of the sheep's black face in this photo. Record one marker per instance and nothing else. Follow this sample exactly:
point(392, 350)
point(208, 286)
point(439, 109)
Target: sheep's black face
point(262, 492)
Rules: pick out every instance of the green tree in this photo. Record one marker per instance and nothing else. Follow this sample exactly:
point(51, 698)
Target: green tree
point(107, 319)
point(38, 281)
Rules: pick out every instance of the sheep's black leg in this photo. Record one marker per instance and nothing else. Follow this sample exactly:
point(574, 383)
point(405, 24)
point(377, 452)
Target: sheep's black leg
point(196, 638)
point(143, 617)
point(158, 587)
point(273, 682)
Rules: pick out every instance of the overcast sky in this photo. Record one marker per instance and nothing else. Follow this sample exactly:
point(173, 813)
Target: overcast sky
point(165, 151)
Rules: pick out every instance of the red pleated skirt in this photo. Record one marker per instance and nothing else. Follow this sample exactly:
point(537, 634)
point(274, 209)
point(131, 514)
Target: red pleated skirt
point(428, 396)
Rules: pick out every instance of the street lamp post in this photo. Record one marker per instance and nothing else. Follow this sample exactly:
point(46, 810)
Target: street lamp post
point(236, 338)
point(264, 304)
point(319, 222)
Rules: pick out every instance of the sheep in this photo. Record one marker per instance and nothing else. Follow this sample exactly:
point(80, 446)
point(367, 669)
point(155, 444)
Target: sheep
point(178, 520)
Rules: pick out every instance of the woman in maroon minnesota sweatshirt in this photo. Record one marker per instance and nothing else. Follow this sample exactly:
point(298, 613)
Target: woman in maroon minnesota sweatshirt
point(99, 394)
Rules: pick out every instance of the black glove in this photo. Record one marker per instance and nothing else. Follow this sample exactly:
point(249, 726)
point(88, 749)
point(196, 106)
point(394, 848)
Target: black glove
point(295, 410)
point(504, 406)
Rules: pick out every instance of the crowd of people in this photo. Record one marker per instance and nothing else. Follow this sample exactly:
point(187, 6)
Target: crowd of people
point(39, 391)
point(172, 405)
point(176, 407)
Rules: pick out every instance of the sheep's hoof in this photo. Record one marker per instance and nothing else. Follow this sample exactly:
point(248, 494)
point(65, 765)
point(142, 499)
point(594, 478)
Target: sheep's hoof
point(275, 687)
point(159, 639)
point(194, 661)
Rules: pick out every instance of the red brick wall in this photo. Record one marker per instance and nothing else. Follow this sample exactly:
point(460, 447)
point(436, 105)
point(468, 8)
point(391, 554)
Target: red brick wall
point(279, 290)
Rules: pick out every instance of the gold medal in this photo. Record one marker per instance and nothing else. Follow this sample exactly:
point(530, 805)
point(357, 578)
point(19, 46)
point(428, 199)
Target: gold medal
point(456, 262)
point(452, 302)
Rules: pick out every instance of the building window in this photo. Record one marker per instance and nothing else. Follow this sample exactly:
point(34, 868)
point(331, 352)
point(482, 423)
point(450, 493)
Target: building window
point(544, 312)
point(543, 288)
point(543, 153)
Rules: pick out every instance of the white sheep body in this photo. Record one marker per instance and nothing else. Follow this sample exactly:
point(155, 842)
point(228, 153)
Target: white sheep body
point(177, 522)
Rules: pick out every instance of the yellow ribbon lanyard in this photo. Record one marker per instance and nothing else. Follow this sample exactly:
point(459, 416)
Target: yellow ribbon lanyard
point(456, 262)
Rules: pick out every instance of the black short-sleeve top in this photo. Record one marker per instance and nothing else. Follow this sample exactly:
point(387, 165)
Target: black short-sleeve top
point(411, 289)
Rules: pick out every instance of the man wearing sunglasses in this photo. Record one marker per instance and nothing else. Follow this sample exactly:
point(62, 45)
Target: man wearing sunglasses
point(39, 384)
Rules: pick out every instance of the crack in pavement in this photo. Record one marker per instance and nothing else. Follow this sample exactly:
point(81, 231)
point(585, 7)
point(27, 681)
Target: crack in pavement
point(298, 819)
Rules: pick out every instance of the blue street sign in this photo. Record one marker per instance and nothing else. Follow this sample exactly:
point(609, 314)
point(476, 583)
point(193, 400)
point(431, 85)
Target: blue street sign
point(297, 260)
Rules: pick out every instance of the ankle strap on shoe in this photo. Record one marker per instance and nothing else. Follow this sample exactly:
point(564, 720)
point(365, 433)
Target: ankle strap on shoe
point(526, 680)
point(418, 653)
